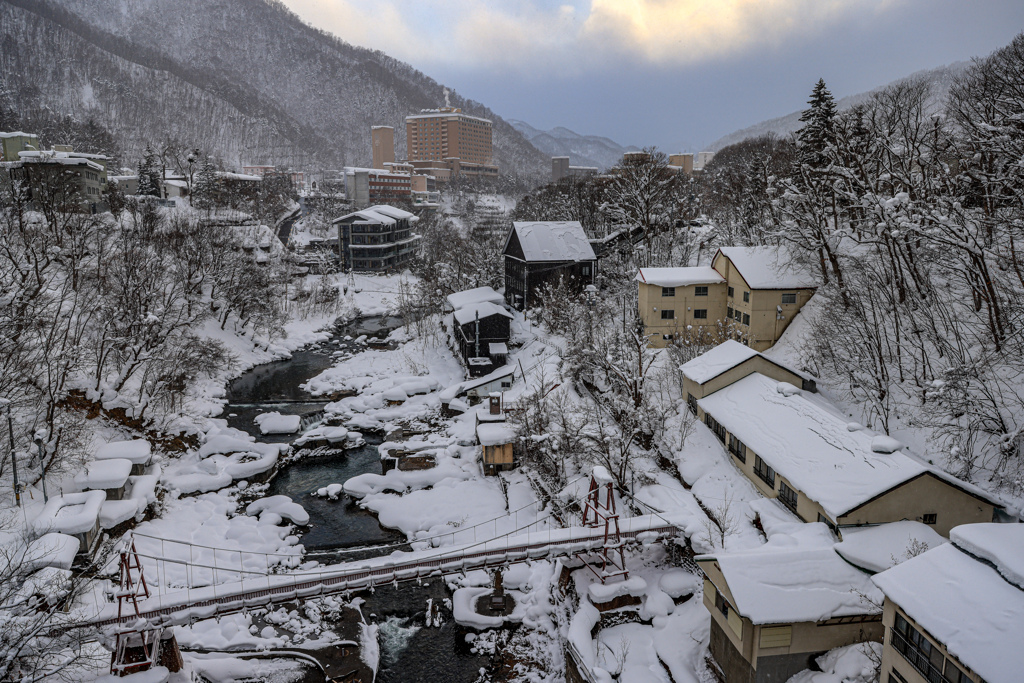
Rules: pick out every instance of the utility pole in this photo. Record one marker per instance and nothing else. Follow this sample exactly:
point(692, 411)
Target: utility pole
point(14, 454)
point(38, 438)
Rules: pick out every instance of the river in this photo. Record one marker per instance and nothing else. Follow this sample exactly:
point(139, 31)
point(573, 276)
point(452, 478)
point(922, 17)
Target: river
point(411, 651)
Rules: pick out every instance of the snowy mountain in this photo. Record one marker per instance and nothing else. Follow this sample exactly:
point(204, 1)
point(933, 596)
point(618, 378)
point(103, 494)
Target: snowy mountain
point(243, 79)
point(941, 78)
point(582, 150)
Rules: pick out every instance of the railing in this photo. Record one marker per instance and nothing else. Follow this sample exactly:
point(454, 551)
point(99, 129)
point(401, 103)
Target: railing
point(917, 659)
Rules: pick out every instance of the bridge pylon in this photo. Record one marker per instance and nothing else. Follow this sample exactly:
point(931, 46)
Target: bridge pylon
point(138, 648)
point(610, 561)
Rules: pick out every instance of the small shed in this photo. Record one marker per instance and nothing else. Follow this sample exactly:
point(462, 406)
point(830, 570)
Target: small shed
point(137, 451)
point(482, 332)
point(73, 514)
point(109, 476)
point(496, 439)
point(481, 387)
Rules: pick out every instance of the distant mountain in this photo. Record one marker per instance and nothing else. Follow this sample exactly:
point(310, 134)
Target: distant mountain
point(582, 150)
point(941, 78)
point(244, 79)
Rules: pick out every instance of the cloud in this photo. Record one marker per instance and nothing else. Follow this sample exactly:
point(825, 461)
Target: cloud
point(563, 39)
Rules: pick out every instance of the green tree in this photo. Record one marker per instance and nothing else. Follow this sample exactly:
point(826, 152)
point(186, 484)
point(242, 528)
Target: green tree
point(818, 131)
point(149, 174)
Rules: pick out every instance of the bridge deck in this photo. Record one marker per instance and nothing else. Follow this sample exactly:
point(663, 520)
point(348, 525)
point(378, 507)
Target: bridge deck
point(184, 606)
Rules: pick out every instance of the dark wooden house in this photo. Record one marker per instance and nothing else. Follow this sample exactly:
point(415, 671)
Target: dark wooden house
point(481, 333)
point(541, 252)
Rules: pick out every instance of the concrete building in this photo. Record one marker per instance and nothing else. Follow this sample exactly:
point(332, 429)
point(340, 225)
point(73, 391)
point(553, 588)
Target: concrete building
point(366, 185)
point(749, 293)
point(379, 239)
point(799, 449)
point(701, 160)
point(12, 144)
point(383, 138)
point(773, 612)
point(953, 614)
point(683, 162)
point(446, 138)
point(560, 168)
point(543, 252)
point(62, 176)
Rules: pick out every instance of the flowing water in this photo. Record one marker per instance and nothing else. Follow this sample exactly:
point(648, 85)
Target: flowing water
point(411, 651)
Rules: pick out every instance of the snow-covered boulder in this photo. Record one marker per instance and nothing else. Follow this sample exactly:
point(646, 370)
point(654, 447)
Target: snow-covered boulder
point(276, 423)
point(282, 506)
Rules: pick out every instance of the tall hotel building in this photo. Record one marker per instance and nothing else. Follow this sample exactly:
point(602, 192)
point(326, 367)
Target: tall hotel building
point(449, 143)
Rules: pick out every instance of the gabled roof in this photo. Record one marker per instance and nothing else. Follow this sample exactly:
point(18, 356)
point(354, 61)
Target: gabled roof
point(786, 586)
point(714, 362)
point(679, 277)
point(880, 547)
point(385, 215)
point(484, 309)
point(768, 267)
point(964, 603)
point(472, 296)
point(552, 241)
point(500, 373)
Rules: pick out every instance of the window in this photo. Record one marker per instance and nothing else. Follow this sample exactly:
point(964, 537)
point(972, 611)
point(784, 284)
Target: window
point(737, 316)
point(668, 291)
point(827, 522)
point(668, 314)
point(585, 270)
point(700, 314)
point(667, 337)
point(728, 312)
point(789, 298)
point(918, 650)
point(731, 292)
point(722, 604)
point(738, 448)
point(930, 518)
point(506, 384)
point(746, 318)
point(746, 297)
point(700, 291)
point(896, 677)
point(715, 427)
point(787, 496)
point(691, 403)
point(764, 472)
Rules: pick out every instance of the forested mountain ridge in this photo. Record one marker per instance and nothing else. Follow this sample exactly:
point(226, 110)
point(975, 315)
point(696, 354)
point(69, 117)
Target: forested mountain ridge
point(582, 150)
point(245, 80)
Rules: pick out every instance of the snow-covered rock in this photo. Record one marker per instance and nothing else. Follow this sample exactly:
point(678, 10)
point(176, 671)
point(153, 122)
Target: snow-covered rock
point(276, 423)
point(278, 505)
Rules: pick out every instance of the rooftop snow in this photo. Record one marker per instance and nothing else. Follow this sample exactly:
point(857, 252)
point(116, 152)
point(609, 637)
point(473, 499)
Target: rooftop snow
point(491, 434)
point(497, 348)
point(385, 215)
point(877, 548)
point(138, 451)
point(500, 373)
point(679, 277)
point(769, 268)
point(1000, 544)
point(965, 605)
point(714, 362)
point(105, 474)
point(71, 513)
point(52, 550)
point(789, 586)
point(485, 309)
point(554, 241)
point(808, 444)
point(433, 114)
point(474, 296)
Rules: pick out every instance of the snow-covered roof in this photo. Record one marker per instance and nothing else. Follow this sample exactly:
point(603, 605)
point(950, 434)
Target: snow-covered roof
point(473, 296)
point(877, 548)
point(1000, 544)
point(71, 513)
point(497, 348)
point(385, 215)
point(553, 241)
point(484, 309)
point(768, 267)
point(435, 114)
point(104, 474)
point(807, 443)
point(494, 434)
point(65, 158)
point(679, 277)
point(18, 134)
point(228, 175)
point(500, 373)
point(138, 451)
point(714, 362)
point(965, 604)
point(790, 586)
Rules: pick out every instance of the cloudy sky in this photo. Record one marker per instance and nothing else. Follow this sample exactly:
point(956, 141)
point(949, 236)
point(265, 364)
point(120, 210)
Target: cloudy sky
point(675, 73)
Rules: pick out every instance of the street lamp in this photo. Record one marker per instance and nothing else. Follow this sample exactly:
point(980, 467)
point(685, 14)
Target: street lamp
point(6, 402)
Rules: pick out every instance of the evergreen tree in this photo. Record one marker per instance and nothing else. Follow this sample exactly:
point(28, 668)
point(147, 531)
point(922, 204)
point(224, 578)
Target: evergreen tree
point(149, 174)
point(818, 131)
point(204, 188)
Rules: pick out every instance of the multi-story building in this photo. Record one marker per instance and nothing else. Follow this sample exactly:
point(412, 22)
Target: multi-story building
point(538, 253)
point(953, 614)
point(12, 144)
point(749, 293)
point(383, 139)
point(447, 138)
point(682, 162)
point(365, 185)
point(560, 168)
point(379, 238)
point(64, 176)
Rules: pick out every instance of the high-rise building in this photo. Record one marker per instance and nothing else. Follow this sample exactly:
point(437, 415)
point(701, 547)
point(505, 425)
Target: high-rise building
point(447, 137)
point(383, 146)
